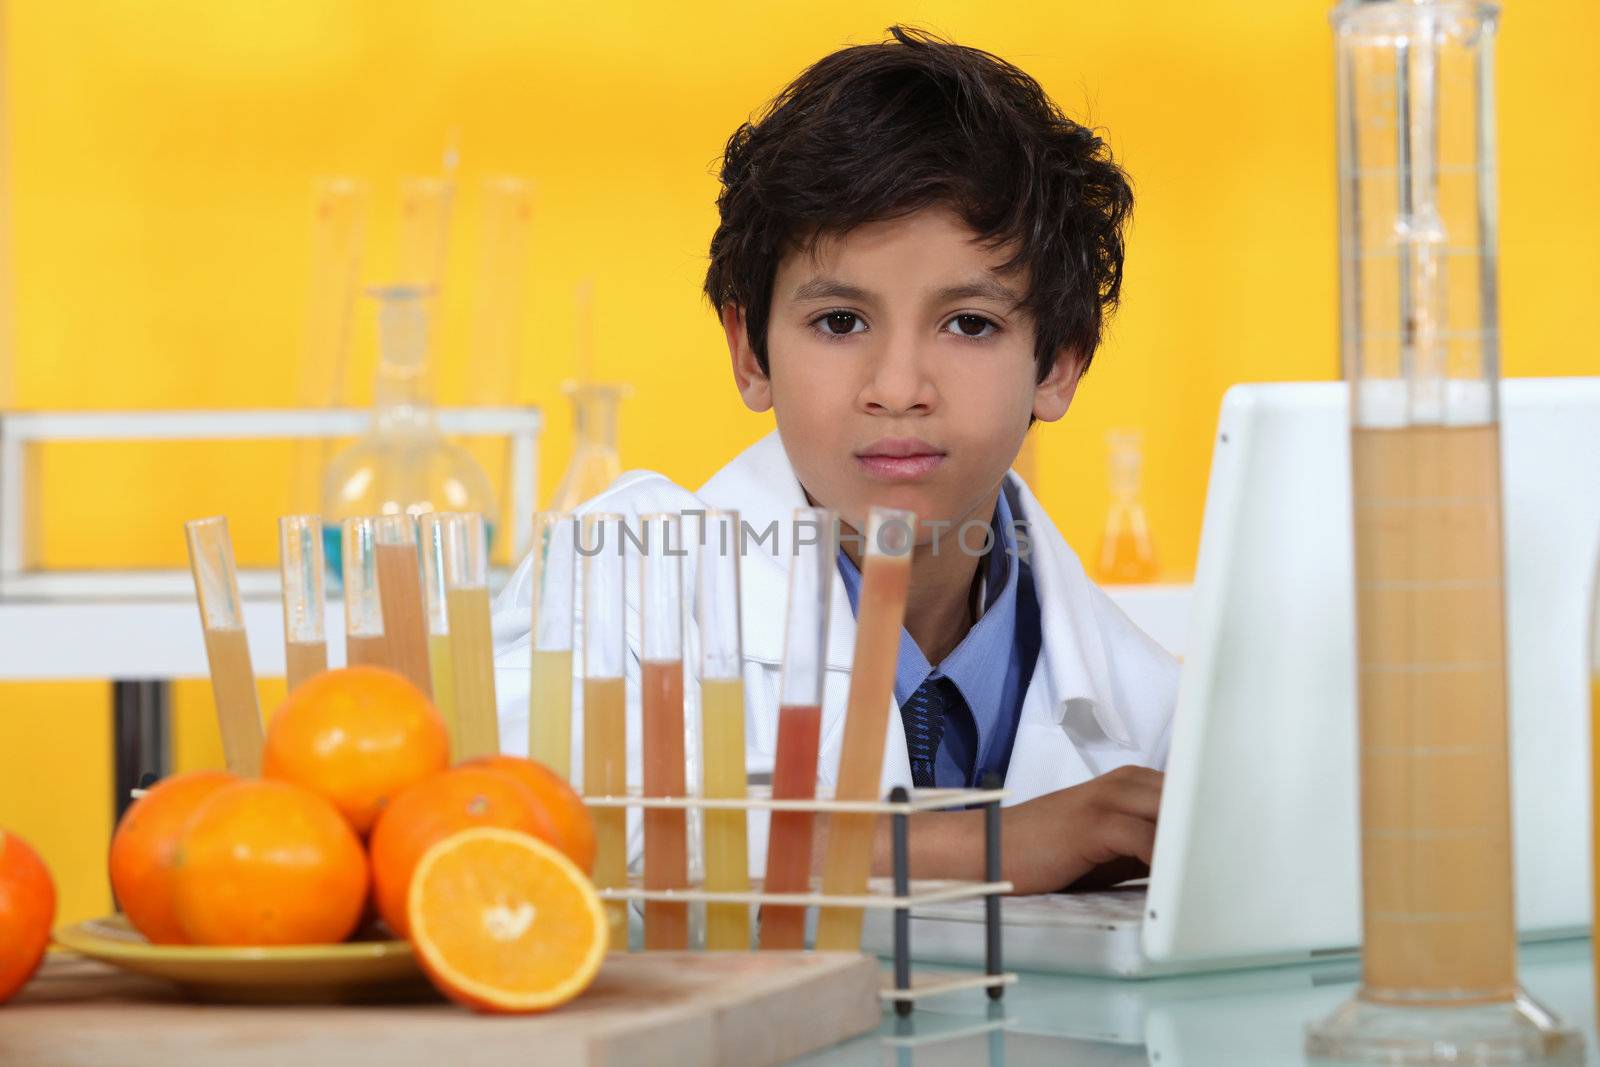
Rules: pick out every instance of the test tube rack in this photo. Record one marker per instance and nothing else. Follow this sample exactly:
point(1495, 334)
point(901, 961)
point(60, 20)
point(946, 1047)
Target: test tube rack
point(901, 987)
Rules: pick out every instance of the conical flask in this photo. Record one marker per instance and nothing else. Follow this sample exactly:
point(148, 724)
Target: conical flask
point(403, 464)
point(595, 461)
point(1126, 552)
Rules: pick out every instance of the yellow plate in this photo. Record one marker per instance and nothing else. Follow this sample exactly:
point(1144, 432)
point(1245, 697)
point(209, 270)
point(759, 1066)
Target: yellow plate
point(353, 971)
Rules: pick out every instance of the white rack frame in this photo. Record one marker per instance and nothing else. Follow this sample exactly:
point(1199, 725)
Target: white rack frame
point(521, 426)
point(902, 989)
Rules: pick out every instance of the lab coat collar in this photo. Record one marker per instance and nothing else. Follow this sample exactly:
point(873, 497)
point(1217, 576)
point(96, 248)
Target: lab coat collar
point(761, 485)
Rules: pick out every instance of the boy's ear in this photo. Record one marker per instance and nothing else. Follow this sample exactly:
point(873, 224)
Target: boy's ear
point(1053, 396)
point(753, 385)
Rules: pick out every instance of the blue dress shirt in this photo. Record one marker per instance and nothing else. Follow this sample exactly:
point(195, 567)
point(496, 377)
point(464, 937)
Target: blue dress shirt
point(991, 666)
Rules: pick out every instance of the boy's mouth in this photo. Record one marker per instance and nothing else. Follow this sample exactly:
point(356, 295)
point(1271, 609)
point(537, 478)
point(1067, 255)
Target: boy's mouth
point(900, 458)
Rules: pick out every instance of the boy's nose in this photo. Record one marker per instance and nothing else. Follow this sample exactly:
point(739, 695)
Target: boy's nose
point(897, 381)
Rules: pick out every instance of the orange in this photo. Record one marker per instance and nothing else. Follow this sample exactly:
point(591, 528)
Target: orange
point(27, 911)
point(435, 808)
point(143, 846)
point(574, 827)
point(359, 736)
point(505, 923)
point(268, 863)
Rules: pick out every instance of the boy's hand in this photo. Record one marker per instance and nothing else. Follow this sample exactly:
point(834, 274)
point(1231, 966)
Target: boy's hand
point(1105, 825)
point(1091, 835)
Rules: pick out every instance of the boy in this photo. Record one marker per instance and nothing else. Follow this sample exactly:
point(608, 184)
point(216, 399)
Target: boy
point(915, 256)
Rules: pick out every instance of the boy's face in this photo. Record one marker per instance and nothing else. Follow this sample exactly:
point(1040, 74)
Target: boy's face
point(901, 371)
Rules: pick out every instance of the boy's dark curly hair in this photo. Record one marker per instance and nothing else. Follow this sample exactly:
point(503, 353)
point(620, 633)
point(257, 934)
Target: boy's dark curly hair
point(879, 131)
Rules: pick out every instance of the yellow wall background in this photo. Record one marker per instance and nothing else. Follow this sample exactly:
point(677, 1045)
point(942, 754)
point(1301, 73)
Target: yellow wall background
point(160, 162)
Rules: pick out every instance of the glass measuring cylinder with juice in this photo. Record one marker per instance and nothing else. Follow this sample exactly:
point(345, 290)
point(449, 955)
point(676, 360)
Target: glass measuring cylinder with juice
point(300, 562)
point(400, 599)
point(233, 681)
point(364, 642)
point(666, 830)
point(466, 580)
point(794, 774)
point(722, 728)
point(550, 685)
point(1420, 344)
point(441, 667)
point(605, 705)
point(880, 614)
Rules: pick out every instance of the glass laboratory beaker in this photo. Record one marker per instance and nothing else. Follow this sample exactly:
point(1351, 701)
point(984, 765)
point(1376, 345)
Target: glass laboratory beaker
point(595, 461)
point(403, 465)
point(1126, 555)
point(1419, 340)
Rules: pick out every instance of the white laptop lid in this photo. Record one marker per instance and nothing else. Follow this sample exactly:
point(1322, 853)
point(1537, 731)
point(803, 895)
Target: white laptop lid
point(1256, 851)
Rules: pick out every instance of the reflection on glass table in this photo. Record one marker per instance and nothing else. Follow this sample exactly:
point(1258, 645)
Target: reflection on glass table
point(1253, 1018)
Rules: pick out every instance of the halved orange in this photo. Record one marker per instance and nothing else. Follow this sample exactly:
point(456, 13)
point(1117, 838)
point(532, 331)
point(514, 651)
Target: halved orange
point(503, 922)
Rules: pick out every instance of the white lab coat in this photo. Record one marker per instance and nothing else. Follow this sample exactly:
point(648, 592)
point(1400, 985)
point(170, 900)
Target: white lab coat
point(1101, 695)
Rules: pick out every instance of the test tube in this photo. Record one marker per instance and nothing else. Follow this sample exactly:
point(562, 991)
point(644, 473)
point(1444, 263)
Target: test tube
point(605, 719)
point(305, 635)
point(500, 288)
point(794, 775)
point(425, 207)
point(666, 830)
point(338, 218)
point(233, 682)
point(400, 598)
point(722, 728)
point(885, 577)
point(364, 642)
point(555, 567)
point(466, 593)
point(440, 662)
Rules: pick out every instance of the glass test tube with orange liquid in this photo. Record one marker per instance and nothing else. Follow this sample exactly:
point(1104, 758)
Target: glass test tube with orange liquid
point(605, 706)
point(885, 578)
point(666, 830)
point(555, 567)
point(466, 581)
point(441, 666)
point(405, 629)
point(364, 641)
point(233, 681)
point(727, 857)
point(305, 634)
point(794, 775)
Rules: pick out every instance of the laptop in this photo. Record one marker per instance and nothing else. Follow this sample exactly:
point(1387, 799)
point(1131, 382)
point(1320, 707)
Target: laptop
point(1257, 857)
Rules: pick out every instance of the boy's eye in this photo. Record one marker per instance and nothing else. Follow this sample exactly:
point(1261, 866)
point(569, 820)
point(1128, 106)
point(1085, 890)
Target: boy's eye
point(839, 323)
point(971, 326)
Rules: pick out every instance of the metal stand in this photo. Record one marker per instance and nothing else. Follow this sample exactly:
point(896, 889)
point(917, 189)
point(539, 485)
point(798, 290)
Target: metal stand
point(902, 889)
point(901, 896)
point(141, 738)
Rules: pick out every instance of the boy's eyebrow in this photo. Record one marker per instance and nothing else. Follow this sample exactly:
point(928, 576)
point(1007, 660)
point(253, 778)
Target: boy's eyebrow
point(986, 287)
point(825, 288)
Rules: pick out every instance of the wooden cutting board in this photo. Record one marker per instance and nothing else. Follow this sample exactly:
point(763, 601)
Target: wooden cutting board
point(681, 1008)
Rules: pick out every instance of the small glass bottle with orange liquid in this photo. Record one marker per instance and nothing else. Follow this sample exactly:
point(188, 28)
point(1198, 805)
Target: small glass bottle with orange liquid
point(1126, 552)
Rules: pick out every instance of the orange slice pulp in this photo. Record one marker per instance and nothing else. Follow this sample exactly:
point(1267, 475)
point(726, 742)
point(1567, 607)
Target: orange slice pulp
point(503, 922)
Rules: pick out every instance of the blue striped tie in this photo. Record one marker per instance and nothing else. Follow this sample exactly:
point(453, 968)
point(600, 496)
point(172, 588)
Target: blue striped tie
point(924, 716)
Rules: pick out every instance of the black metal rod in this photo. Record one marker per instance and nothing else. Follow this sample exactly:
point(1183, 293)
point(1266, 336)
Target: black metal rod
point(141, 737)
point(991, 873)
point(902, 889)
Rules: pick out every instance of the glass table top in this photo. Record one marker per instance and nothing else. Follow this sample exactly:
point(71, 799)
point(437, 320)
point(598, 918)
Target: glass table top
point(1253, 1018)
